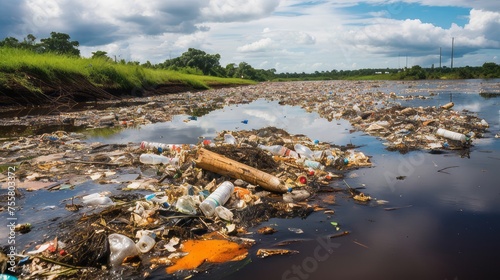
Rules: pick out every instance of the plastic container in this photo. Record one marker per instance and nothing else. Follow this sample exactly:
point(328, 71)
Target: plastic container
point(217, 198)
point(304, 151)
point(224, 213)
point(157, 159)
point(229, 139)
point(120, 247)
point(186, 204)
point(451, 135)
point(145, 243)
point(279, 150)
point(96, 199)
point(314, 164)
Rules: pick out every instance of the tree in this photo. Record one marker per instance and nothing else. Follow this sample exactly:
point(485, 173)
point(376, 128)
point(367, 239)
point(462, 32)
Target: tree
point(230, 70)
point(9, 42)
point(245, 71)
point(59, 43)
point(491, 70)
point(101, 55)
point(207, 63)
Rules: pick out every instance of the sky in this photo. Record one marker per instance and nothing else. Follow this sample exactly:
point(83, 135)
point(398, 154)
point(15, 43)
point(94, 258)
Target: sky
point(287, 35)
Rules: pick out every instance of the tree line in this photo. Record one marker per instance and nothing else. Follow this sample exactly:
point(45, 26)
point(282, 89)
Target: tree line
point(195, 61)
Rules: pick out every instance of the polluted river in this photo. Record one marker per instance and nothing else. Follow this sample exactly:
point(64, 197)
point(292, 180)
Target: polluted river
point(294, 180)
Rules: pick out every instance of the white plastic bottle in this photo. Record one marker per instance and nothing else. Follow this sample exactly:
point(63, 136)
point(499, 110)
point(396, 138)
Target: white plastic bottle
point(451, 135)
point(217, 198)
point(157, 159)
point(279, 150)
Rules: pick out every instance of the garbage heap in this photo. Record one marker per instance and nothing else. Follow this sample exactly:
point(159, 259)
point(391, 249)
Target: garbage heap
point(188, 200)
point(363, 103)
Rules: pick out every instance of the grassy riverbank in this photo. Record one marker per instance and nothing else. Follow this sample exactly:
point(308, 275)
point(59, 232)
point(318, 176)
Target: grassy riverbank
point(33, 75)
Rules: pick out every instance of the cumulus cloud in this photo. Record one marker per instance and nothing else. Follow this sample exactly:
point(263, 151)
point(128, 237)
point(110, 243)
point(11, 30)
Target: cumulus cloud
point(413, 37)
point(238, 10)
point(291, 35)
point(259, 46)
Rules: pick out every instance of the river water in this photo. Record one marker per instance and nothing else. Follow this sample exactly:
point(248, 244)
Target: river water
point(445, 216)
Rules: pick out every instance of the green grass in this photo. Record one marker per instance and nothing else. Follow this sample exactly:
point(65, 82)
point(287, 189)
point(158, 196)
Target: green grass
point(100, 72)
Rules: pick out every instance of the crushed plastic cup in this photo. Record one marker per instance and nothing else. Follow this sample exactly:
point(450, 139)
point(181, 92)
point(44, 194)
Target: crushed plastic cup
point(224, 213)
point(186, 204)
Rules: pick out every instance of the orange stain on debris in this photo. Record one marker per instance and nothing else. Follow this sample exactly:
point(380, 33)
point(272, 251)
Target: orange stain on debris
point(214, 251)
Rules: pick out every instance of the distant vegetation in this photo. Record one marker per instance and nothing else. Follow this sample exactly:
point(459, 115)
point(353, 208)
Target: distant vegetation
point(56, 57)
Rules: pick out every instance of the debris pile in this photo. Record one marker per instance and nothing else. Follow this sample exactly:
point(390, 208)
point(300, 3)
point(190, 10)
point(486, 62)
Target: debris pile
point(362, 103)
point(166, 210)
point(181, 206)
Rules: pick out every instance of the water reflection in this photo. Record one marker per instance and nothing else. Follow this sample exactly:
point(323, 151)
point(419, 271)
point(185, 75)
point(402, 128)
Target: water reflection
point(260, 113)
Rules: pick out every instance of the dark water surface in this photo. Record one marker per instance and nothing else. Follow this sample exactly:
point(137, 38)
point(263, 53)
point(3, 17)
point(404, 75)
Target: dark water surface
point(448, 224)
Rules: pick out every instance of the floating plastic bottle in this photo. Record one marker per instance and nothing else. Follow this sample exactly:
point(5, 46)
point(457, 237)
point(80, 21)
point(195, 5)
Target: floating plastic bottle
point(451, 135)
point(120, 247)
point(279, 150)
point(217, 198)
point(157, 159)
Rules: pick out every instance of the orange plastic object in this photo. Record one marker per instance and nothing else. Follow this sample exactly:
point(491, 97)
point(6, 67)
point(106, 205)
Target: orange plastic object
point(214, 251)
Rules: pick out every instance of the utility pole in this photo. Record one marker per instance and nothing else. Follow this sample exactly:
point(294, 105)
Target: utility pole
point(439, 57)
point(452, 43)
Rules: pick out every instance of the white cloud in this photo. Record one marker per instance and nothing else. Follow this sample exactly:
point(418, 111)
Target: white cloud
point(259, 46)
point(238, 10)
point(291, 35)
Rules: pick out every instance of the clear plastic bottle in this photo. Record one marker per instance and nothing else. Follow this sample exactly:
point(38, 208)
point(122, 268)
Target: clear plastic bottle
point(304, 151)
point(217, 198)
point(314, 164)
point(279, 150)
point(157, 159)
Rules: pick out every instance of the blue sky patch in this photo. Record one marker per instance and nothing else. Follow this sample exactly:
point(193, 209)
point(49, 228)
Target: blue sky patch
point(438, 16)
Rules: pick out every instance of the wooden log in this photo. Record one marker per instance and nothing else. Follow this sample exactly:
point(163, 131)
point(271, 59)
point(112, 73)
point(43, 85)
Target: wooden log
point(447, 105)
point(220, 164)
